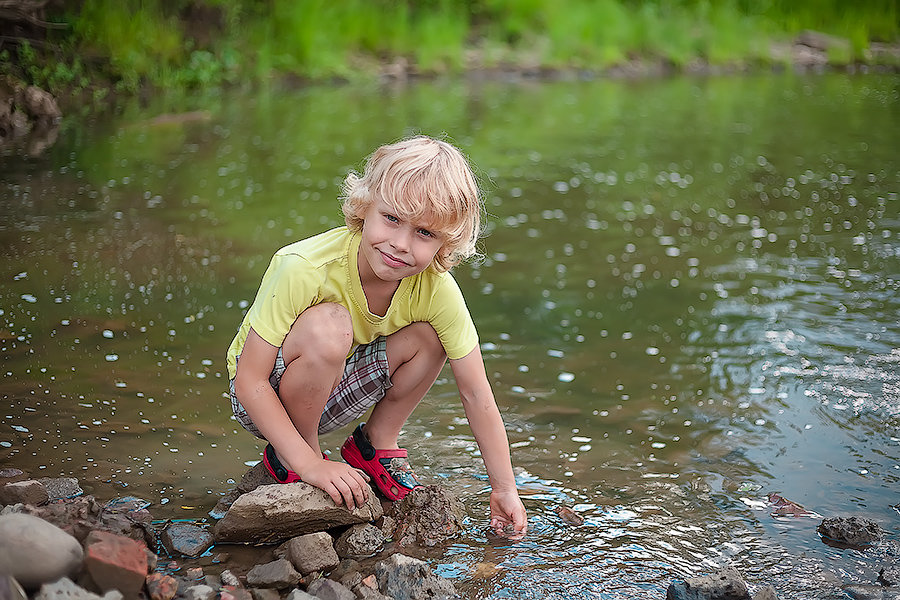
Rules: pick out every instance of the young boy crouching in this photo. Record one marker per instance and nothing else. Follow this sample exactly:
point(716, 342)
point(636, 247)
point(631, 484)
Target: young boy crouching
point(365, 316)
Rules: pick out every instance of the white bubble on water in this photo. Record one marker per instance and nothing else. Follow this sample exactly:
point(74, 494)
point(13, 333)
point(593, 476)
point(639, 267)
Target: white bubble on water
point(112, 357)
point(108, 334)
point(566, 377)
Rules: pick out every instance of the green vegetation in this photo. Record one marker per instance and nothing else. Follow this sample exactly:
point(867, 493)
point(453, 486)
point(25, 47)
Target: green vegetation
point(185, 44)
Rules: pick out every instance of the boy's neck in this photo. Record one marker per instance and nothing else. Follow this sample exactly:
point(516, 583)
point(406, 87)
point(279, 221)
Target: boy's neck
point(377, 291)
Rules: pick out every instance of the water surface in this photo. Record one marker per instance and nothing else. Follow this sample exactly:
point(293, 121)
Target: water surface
point(688, 301)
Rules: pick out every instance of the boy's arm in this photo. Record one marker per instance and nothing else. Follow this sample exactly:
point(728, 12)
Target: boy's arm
point(490, 434)
point(251, 384)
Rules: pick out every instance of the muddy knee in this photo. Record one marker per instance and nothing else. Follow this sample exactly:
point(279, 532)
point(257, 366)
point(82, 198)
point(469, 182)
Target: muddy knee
point(325, 330)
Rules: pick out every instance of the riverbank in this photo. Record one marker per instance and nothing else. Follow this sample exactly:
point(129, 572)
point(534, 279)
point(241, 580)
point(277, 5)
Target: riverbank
point(290, 541)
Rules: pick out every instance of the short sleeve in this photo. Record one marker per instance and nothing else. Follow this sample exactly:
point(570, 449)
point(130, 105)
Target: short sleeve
point(289, 286)
point(451, 319)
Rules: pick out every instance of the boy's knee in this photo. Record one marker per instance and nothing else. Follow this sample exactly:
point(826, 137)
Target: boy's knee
point(326, 328)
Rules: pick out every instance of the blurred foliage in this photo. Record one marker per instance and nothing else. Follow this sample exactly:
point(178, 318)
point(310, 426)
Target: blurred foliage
point(191, 44)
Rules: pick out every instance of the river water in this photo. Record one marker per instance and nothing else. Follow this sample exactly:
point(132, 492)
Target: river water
point(688, 301)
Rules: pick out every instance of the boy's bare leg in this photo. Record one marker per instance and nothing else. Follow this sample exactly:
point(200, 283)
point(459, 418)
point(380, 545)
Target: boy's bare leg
point(314, 354)
point(415, 356)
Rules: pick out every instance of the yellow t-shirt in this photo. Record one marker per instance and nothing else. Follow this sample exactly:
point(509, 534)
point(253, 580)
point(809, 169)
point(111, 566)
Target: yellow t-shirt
point(323, 268)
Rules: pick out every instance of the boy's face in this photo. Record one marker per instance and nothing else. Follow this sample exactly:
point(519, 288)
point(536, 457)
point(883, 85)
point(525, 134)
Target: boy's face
point(393, 247)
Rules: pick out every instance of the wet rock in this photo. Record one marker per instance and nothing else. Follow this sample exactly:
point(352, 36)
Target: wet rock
point(10, 588)
point(11, 474)
point(368, 590)
point(66, 589)
point(889, 576)
point(766, 593)
point(852, 531)
point(311, 552)
point(273, 513)
point(276, 574)
point(29, 491)
point(161, 586)
point(299, 595)
point(200, 592)
point(115, 562)
point(61, 488)
point(871, 592)
point(326, 589)
point(405, 578)
point(359, 541)
point(35, 551)
point(427, 516)
point(186, 539)
point(235, 593)
point(726, 584)
point(229, 579)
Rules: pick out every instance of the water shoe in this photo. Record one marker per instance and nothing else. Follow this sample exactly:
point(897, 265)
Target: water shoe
point(278, 471)
point(389, 469)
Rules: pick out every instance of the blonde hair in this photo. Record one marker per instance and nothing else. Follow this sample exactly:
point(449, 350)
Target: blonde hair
point(421, 178)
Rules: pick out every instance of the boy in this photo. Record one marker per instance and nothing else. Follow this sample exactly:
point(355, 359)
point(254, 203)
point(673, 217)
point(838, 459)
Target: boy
point(366, 315)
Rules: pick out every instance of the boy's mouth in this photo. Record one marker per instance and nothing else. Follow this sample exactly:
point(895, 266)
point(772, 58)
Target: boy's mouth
point(392, 261)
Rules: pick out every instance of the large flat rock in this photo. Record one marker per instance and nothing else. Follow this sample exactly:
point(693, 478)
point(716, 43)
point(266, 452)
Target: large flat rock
point(273, 513)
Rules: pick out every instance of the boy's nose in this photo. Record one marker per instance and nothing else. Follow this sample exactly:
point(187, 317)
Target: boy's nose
point(402, 240)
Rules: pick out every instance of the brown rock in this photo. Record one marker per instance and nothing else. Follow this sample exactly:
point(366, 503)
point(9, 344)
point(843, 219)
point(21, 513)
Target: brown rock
point(116, 562)
point(427, 516)
point(161, 586)
point(312, 552)
point(25, 492)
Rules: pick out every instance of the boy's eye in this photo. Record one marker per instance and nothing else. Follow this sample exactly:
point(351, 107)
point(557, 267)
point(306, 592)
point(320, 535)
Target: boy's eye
point(425, 232)
point(391, 218)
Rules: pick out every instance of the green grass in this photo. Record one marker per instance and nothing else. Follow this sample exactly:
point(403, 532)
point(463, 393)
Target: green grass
point(147, 42)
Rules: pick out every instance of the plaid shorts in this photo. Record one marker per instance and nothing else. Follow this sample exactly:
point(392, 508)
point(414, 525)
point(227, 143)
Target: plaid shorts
point(366, 379)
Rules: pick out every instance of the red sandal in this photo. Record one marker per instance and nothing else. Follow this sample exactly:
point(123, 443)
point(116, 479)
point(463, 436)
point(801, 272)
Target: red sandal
point(278, 471)
point(389, 469)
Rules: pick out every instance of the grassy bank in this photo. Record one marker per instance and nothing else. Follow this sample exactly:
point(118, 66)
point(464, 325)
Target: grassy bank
point(131, 44)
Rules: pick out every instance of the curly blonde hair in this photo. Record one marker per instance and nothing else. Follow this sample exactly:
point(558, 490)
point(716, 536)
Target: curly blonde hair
point(421, 178)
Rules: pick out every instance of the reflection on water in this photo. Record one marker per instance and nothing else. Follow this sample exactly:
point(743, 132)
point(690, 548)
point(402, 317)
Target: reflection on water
point(688, 302)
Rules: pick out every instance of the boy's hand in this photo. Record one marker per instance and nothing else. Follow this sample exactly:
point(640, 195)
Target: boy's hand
point(507, 510)
point(345, 484)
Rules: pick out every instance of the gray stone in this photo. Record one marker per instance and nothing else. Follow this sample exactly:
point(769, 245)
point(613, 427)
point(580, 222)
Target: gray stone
point(199, 592)
point(871, 592)
point(311, 552)
point(276, 574)
point(766, 593)
point(61, 488)
point(299, 595)
point(326, 589)
point(186, 539)
point(229, 578)
point(35, 551)
point(427, 516)
point(273, 513)
point(405, 578)
point(29, 491)
point(853, 531)
point(725, 584)
point(360, 541)
point(66, 589)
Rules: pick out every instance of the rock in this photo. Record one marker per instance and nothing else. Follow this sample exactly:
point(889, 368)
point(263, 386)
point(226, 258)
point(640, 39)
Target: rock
point(766, 593)
point(199, 592)
point(116, 562)
point(11, 474)
point(276, 574)
point(889, 576)
point(66, 589)
point(726, 584)
point(360, 541)
point(311, 552)
point(38, 103)
point(299, 595)
point(61, 488)
point(35, 551)
point(427, 516)
point(77, 516)
point(265, 594)
point(871, 592)
point(852, 531)
point(161, 586)
point(186, 539)
point(230, 579)
point(234, 593)
point(29, 491)
point(10, 588)
point(368, 590)
point(326, 589)
point(405, 578)
point(273, 513)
